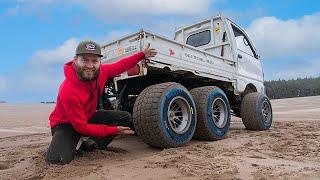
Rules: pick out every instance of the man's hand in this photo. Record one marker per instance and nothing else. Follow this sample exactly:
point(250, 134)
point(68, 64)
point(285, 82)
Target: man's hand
point(124, 130)
point(149, 52)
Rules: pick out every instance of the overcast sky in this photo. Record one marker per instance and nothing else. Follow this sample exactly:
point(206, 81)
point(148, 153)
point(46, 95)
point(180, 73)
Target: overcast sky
point(39, 36)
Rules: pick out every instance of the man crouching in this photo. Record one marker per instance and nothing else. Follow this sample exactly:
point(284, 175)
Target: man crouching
point(75, 113)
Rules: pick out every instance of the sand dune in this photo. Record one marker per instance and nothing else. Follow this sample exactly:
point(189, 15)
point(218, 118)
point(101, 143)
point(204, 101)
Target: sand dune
point(289, 150)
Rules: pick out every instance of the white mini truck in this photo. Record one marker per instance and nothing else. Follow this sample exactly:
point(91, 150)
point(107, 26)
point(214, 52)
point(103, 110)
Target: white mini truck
point(190, 89)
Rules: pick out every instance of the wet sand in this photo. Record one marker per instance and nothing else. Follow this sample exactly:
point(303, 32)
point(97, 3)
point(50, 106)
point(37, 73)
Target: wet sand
point(289, 150)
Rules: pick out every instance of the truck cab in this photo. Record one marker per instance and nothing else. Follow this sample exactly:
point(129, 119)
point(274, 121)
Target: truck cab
point(220, 36)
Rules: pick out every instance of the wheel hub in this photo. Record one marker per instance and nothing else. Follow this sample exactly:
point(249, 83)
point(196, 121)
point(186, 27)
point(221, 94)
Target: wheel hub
point(266, 111)
point(179, 115)
point(219, 110)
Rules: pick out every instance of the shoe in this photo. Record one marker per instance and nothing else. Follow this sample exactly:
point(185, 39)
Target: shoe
point(88, 145)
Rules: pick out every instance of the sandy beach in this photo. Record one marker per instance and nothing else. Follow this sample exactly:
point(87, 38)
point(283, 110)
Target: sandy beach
point(289, 150)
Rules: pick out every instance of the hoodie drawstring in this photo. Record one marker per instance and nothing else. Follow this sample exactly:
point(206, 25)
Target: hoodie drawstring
point(100, 107)
point(91, 95)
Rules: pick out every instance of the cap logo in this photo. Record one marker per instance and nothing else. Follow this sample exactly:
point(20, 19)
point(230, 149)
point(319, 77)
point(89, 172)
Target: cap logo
point(90, 47)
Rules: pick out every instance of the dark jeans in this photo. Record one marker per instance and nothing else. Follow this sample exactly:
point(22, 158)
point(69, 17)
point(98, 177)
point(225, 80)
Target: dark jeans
point(64, 141)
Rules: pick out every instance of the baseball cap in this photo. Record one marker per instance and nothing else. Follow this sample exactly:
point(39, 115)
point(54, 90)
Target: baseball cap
point(88, 47)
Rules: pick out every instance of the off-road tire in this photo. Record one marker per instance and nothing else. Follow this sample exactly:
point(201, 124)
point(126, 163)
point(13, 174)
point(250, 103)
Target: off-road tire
point(150, 115)
point(252, 113)
point(204, 98)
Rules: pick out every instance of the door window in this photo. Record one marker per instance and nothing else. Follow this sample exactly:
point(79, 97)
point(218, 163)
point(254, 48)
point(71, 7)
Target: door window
point(242, 41)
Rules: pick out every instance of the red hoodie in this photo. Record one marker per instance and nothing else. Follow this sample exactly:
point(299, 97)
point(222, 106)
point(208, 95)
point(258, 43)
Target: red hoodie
point(75, 104)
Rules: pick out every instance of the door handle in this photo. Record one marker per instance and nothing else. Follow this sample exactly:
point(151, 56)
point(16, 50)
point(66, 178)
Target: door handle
point(239, 56)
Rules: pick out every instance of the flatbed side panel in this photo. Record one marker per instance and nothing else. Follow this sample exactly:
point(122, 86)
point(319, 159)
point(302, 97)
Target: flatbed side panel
point(122, 48)
point(171, 54)
point(178, 56)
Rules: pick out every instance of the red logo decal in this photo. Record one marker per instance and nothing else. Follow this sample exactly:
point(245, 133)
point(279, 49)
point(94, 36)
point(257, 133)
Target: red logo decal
point(171, 52)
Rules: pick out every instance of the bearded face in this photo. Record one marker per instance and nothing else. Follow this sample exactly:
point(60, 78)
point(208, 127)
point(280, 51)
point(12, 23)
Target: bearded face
point(87, 66)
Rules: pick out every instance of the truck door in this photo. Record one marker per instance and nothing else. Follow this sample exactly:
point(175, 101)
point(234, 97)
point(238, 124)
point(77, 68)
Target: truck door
point(249, 65)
